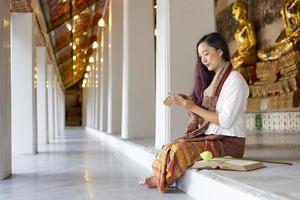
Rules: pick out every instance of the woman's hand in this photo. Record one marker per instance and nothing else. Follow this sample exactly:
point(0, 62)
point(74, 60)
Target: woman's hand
point(186, 104)
point(190, 106)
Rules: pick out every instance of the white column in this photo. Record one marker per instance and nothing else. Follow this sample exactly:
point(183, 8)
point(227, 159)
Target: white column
point(96, 89)
point(97, 84)
point(58, 108)
point(103, 72)
point(64, 112)
point(93, 95)
point(87, 92)
point(24, 130)
point(5, 90)
point(55, 106)
point(88, 103)
point(180, 25)
point(61, 111)
point(88, 122)
point(84, 107)
point(138, 105)
point(60, 97)
point(62, 115)
point(54, 103)
point(115, 66)
point(41, 55)
point(50, 102)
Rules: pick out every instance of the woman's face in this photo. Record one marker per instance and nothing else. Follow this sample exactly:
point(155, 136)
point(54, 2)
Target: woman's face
point(209, 56)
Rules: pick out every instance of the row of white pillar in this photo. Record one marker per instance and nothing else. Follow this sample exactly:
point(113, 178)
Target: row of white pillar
point(128, 83)
point(131, 83)
point(37, 98)
point(31, 98)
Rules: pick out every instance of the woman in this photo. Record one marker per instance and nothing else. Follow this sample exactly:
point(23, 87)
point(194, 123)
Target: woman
point(216, 107)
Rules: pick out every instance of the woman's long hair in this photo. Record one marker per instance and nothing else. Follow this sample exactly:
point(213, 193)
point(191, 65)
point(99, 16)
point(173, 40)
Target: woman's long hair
point(203, 77)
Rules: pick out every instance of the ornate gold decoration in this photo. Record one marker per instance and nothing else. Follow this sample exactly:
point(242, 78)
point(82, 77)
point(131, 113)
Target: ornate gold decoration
point(266, 72)
point(290, 36)
point(279, 94)
point(244, 36)
point(278, 85)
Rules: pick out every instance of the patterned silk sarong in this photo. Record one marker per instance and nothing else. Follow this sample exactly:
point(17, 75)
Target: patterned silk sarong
point(175, 157)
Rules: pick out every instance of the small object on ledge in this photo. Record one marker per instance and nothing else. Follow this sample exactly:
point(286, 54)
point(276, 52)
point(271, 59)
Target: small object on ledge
point(206, 155)
point(229, 163)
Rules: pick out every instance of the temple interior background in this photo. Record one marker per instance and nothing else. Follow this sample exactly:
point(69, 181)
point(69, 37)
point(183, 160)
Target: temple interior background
point(86, 69)
point(274, 99)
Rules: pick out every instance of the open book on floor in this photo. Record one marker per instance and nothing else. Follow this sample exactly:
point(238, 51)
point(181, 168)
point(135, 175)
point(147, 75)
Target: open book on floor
point(228, 164)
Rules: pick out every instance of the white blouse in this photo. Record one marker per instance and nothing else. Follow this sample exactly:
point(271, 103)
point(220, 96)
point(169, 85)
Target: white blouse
point(231, 105)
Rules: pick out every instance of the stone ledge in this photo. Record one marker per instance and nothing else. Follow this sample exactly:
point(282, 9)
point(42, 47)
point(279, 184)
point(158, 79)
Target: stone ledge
point(273, 138)
point(273, 182)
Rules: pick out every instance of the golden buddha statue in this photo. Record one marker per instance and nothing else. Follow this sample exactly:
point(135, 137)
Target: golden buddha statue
point(244, 37)
point(290, 36)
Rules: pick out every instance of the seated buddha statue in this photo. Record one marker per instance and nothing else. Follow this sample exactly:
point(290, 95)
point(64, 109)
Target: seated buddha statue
point(290, 36)
point(244, 36)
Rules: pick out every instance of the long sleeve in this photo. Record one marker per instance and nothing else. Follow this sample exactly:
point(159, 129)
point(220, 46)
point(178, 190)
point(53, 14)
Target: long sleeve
point(232, 102)
point(231, 107)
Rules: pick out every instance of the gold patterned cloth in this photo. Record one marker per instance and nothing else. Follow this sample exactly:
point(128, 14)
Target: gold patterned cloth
point(175, 157)
point(197, 125)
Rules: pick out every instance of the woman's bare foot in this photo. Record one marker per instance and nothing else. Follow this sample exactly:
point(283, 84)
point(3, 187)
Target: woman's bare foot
point(149, 182)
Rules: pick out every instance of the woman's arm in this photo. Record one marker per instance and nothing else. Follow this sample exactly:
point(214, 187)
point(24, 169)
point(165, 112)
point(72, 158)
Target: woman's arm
point(232, 101)
point(189, 106)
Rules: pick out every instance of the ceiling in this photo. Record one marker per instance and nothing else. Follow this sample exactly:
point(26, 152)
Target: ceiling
point(72, 27)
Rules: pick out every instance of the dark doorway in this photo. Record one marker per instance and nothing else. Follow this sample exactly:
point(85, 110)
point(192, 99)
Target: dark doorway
point(73, 102)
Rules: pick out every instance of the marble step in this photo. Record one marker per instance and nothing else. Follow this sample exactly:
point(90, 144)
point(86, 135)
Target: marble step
point(273, 182)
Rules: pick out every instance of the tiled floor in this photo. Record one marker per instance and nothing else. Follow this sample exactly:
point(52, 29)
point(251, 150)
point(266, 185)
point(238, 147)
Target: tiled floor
point(78, 167)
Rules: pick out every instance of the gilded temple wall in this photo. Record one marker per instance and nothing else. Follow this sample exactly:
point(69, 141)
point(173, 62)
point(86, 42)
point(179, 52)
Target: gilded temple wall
point(268, 127)
point(263, 13)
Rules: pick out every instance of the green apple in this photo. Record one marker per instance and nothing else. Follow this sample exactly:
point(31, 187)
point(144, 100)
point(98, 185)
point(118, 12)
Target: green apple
point(206, 155)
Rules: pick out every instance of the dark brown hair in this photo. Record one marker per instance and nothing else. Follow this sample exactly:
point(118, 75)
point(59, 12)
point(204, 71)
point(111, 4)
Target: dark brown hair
point(203, 77)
